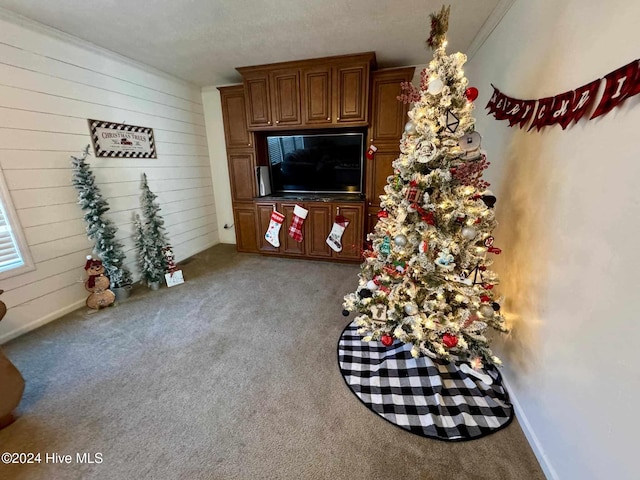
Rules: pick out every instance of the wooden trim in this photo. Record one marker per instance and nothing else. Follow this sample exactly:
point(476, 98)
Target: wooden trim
point(329, 61)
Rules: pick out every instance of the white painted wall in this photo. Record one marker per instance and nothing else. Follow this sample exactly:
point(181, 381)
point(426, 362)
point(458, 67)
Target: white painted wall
point(568, 206)
point(219, 168)
point(49, 85)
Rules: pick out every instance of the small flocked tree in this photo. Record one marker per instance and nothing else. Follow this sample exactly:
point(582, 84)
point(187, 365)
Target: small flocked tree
point(150, 271)
point(154, 230)
point(99, 228)
point(425, 280)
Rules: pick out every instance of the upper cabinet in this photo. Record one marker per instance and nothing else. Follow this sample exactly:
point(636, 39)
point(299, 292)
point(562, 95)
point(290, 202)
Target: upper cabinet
point(388, 115)
point(285, 97)
point(317, 101)
point(352, 93)
point(258, 98)
point(324, 92)
point(234, 117)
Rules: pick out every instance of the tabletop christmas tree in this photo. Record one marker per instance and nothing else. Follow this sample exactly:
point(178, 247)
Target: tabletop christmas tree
point(425, 279)
point(99, 228)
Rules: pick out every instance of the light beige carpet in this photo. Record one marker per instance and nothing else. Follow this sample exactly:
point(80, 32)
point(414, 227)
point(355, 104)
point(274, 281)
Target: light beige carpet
point(231, 376)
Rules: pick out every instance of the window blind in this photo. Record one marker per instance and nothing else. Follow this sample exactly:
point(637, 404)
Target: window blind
point(9, 252)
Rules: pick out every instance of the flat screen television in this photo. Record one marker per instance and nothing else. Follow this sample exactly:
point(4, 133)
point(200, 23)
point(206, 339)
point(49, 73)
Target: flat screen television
point(316, 163)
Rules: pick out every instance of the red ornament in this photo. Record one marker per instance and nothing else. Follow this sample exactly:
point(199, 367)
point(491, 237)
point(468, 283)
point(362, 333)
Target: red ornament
point(383, 214)
point(387, 340)
point(471, 93)
point(482, 268)
point(487, 286)
point(428, 218)
point(485, 298)
point(449, 340)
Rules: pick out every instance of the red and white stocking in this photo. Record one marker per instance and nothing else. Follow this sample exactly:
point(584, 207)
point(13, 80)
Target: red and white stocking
point(295, 229)
point(334, 240)
point(273, 232)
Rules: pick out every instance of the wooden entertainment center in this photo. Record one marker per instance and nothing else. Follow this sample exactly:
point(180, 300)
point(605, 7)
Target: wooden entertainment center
point(322, 94)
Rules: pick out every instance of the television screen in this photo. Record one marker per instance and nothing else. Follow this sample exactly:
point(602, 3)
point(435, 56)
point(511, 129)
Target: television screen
point(327, 163)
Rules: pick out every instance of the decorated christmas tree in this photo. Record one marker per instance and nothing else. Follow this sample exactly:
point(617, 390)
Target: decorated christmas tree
point(99, 228)
point(154, 231)
point(425, 279)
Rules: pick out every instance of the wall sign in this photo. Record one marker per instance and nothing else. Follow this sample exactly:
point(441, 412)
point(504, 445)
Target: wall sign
point(570, 106)
point(118, 140)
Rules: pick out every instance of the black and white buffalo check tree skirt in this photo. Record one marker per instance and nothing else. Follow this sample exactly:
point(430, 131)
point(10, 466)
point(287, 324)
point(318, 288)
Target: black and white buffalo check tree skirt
point(423, 396)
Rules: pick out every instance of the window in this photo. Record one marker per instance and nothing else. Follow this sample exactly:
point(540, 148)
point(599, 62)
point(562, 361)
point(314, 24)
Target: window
point(14, 253)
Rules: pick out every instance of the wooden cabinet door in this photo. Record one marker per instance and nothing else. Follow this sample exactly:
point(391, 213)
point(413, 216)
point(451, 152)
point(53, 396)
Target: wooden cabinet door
point(352, 235)
point(388, 115)
point(316, 96)
point(370, 221)
point(244, 219)
point(316, 229)
point(263, 214)
point(287, 244)
point(234, 117)
point(378, 170)
point(285, 97)
point(351, 94)
point(258, 100)
point(242, 175)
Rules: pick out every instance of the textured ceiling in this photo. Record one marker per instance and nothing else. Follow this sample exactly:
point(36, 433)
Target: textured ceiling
point(202, 41)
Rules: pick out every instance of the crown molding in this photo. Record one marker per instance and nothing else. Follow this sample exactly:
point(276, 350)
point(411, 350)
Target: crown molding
point(489, 26)
point(38, 27)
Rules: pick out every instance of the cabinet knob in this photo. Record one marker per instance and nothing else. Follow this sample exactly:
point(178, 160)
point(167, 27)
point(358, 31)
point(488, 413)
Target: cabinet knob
point(248, 144)
point(337, 118)
point(328, 119)
point(269, 122)
point(277, 121)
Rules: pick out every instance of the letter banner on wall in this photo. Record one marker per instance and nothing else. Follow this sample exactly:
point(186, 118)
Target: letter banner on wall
point(568, 107)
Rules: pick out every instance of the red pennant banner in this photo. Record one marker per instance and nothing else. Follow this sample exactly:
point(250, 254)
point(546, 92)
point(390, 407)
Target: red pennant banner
point(561, 112)
point(583, 98)
point(567, 107)
point(636, 83)
point(544, 113)
point(528, 107)
point(619, 84)
point(491, 105)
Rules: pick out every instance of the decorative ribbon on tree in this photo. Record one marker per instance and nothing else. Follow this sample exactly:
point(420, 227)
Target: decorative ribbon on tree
point(568, 107)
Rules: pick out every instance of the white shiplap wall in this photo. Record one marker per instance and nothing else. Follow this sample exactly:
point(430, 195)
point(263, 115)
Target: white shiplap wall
point(49, 85)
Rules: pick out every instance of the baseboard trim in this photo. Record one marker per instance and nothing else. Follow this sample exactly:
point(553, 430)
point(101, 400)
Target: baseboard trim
point(536, 446)
point(41, 321)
